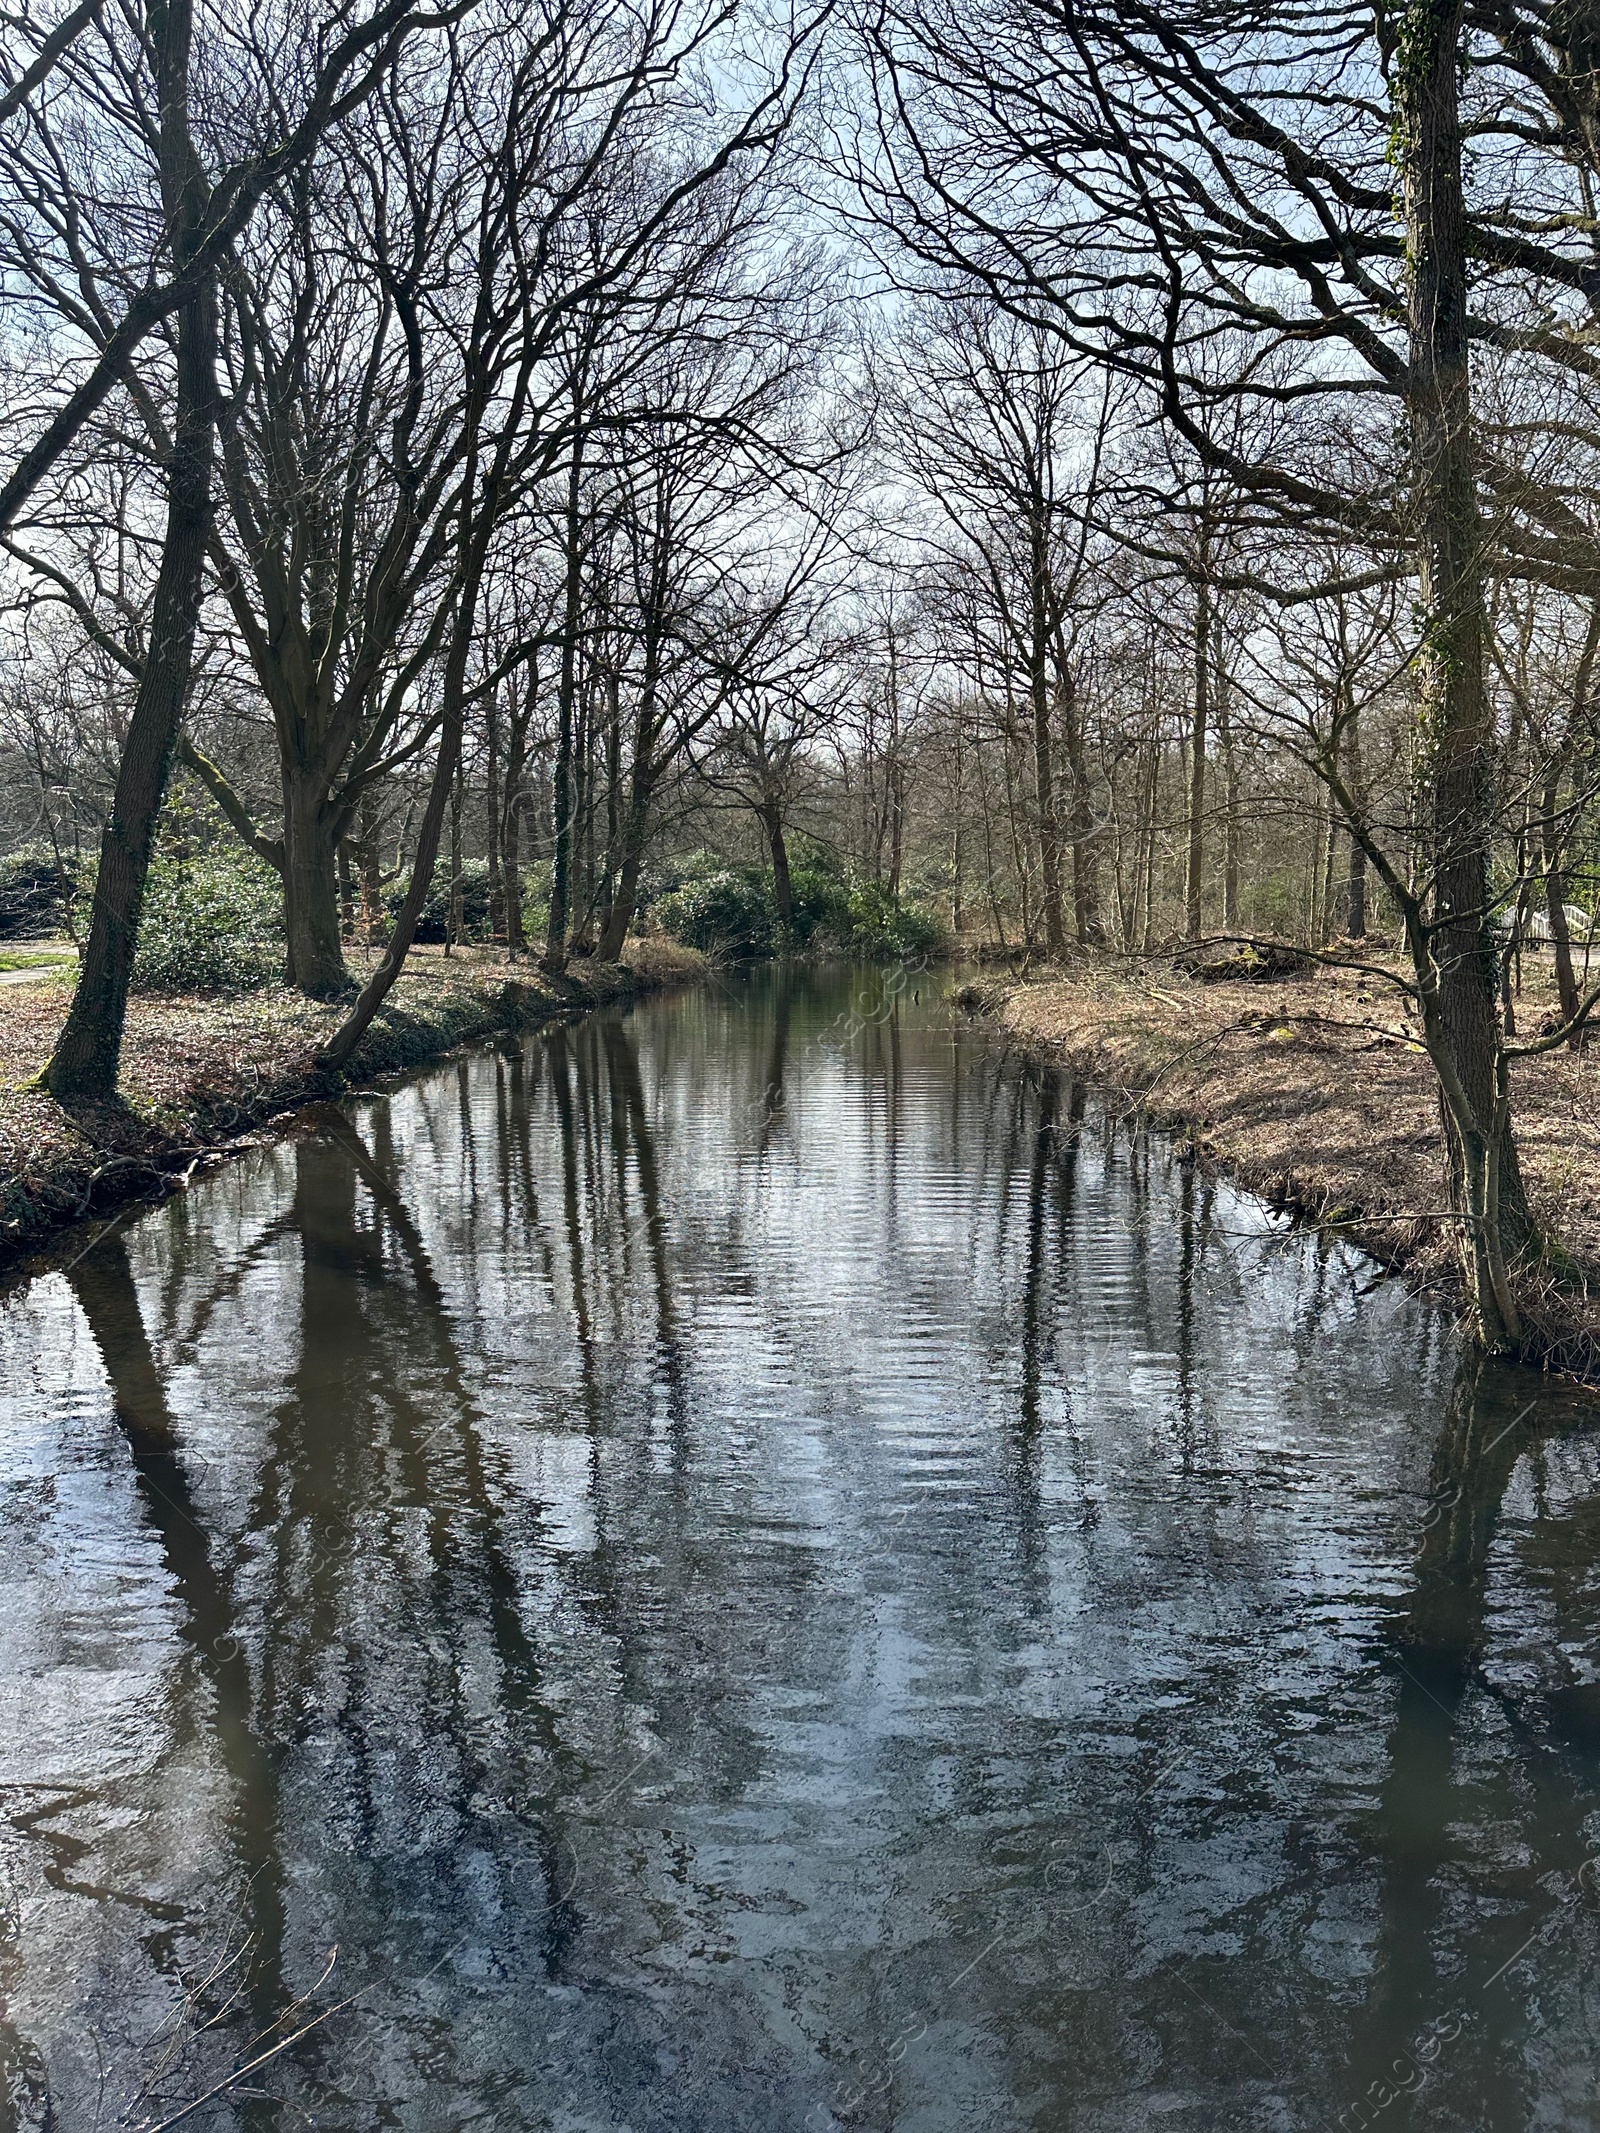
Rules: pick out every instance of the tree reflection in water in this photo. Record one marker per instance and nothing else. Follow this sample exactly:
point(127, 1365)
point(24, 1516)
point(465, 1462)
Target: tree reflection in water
point(764, 1561)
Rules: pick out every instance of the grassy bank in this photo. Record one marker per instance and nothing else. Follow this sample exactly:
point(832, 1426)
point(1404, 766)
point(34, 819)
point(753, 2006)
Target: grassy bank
point(204, 1073)
point(1313, 1092)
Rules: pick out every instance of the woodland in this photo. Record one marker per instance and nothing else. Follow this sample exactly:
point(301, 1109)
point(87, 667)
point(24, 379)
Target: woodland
point(1069, 481)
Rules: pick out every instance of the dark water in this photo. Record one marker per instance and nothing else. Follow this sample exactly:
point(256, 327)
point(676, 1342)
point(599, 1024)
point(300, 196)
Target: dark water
point(754, 1565)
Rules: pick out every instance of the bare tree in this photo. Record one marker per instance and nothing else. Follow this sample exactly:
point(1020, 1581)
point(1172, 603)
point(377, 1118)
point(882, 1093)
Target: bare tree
point(1141, 180)
point(131, 106)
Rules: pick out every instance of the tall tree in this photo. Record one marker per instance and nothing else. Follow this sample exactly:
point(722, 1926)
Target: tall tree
point(1142, 179)
point(66, 244)
point(1005, 432)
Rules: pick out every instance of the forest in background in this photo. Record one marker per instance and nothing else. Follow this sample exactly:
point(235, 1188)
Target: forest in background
point(1071, 480)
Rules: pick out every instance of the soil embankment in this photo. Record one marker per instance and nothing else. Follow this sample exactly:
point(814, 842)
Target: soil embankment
point(203, 1075)
point(1313, 1092)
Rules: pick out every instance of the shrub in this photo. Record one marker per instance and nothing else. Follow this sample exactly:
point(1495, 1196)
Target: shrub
point(729, 913)
point(1277, 905)
point(537, 881)
point(434, 923)
point(33, 893)
point(661, 877)
point(891, 931)
point(212, 922)
point(821, 900)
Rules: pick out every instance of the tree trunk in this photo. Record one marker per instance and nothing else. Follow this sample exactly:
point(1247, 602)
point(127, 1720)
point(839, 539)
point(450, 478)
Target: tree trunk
point(555, 948)
point(897, 824)
point(1086, 919)
point(1055, 931)
point(492, 827)
point(1356, 894)
point(1230, 789)
point(620, 912)
point(1329, 861)
point(1197, 760)
point(625, 891)
point(371, 863)
point(311, 886)
point(1550, 842)
point(84, 1064)
point(1147, 884)
point(616, 817)
point(777, 845)
point(1020, 861)
point(957, 911)
point(991, 873)
point(511, 802)
point(1555, 893)
point(1355, 917)
point(336, 1053)
point(455, 922)
point(580, 939)
point(347, 891)
point(1457, 725)
point(511, 861)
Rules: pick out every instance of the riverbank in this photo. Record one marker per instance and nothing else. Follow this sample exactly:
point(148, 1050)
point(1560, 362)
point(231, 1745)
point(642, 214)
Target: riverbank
point(1313, 1092)
point(204, 1074)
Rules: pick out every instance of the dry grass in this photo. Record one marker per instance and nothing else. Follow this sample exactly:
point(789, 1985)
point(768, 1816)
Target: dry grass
point(1314, 1093)
point(201, 1072)
point(656, 961)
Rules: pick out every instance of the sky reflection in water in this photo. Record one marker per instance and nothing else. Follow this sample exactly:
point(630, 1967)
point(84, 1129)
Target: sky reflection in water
point(753, 1565)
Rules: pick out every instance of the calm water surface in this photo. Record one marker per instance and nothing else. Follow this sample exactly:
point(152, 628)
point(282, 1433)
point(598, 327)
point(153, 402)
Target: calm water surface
point(754, 1565)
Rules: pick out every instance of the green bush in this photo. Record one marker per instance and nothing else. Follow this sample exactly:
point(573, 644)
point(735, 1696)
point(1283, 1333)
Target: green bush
point(661, 877)
point(1277, 905)
point(729, 913)
point(537, 879)
point(212, 922)
point(434, 922)
point(33, 893)
point(820, 897)
point(891, 931)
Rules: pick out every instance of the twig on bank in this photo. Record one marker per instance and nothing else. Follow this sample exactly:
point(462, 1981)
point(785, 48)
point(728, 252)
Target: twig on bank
point(1201, 1049)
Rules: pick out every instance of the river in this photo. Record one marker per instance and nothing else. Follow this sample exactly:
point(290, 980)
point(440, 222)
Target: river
point(760, 1563)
